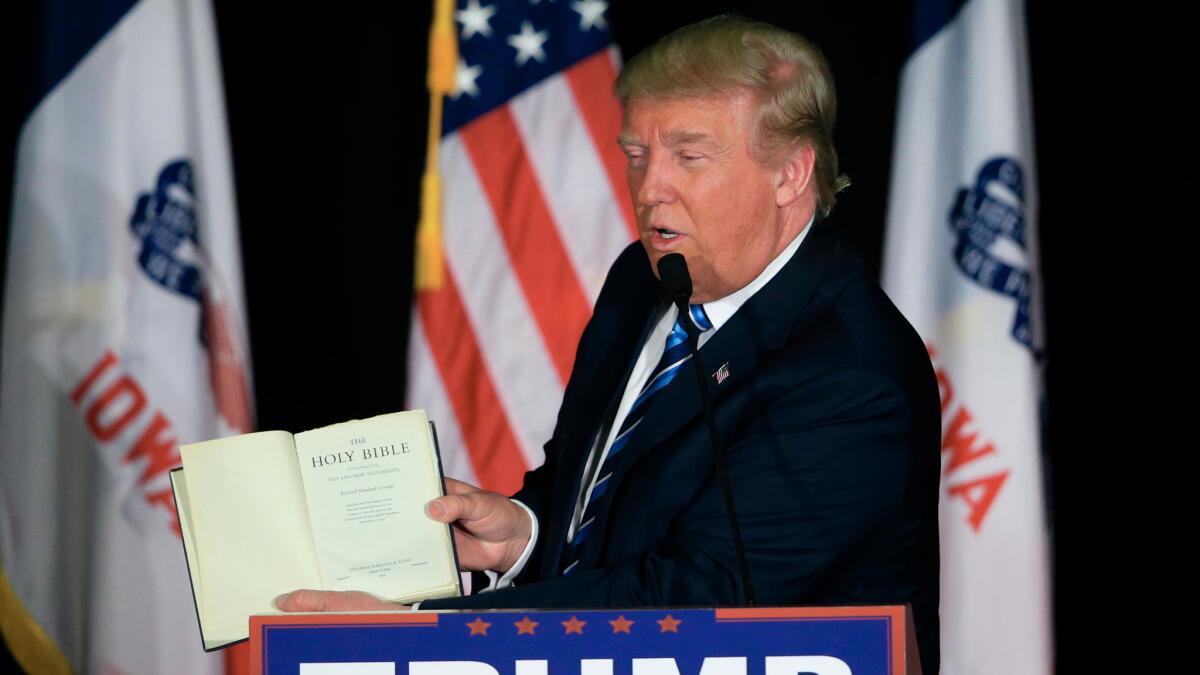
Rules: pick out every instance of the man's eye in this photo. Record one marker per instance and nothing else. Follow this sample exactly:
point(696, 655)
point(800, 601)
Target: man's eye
point(690, 157)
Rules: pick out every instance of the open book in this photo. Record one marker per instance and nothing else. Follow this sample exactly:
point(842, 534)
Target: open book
point(336, 508)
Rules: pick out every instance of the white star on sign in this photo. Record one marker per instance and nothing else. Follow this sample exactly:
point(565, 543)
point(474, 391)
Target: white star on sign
point(464, 80)
point(528, 43)
point(591, 13)
point(474, 19)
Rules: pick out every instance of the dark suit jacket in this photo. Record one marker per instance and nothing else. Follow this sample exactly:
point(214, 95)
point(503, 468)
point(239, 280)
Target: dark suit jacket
point(831, 422)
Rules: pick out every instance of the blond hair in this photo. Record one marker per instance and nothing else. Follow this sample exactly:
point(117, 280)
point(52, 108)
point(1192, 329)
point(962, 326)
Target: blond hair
point(785, 73)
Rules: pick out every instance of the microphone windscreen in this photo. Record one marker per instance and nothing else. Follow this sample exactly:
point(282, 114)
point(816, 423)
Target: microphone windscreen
point(673, 271)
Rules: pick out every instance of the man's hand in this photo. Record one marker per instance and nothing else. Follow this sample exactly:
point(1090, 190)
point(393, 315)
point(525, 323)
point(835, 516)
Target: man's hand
point(489, 529)
point(305, 600)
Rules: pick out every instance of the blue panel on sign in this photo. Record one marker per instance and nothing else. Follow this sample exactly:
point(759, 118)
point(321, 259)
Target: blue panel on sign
point(620, 640)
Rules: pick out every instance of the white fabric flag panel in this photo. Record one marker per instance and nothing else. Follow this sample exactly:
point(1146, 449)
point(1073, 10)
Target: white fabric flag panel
point(123, 336)
point(961, 263)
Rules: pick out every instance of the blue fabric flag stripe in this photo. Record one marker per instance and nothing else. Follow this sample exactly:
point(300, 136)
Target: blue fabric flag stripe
point(930, 16)
point(67, 30)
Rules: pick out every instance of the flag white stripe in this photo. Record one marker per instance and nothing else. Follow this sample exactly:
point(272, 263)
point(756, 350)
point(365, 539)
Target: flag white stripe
point(430, 395)
point(572, 178)
point(614, 55)
point(507, 335)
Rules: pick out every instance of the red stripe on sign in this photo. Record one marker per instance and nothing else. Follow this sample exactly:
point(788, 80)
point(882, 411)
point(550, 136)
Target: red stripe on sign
point(539, 259)
point(591, 82)
point(237, 660)
point(491, 444)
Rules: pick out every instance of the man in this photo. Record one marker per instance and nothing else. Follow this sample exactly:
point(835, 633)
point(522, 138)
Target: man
point(825, 400)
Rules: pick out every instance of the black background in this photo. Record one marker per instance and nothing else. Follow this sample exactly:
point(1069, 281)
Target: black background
point(327, 117)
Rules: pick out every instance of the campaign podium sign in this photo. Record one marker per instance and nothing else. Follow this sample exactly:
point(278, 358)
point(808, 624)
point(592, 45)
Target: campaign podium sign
point(732, 641)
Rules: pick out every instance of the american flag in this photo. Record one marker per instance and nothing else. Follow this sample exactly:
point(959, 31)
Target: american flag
point(534, 212)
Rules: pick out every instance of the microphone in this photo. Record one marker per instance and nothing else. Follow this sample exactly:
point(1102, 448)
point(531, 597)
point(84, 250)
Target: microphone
point(673, 272)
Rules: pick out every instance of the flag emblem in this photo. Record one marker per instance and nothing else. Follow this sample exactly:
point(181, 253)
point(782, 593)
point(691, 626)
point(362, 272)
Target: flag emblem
point(165, 221)
point(984, 218)
point(722, 373)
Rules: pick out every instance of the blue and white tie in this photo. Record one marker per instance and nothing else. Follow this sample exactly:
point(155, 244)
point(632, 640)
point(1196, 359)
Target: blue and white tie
point(675, 354)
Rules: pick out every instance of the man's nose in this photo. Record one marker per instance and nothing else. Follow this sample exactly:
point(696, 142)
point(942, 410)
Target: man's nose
point(655, 187)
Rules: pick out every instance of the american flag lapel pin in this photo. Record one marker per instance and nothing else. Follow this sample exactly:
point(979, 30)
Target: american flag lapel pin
point(722, 373)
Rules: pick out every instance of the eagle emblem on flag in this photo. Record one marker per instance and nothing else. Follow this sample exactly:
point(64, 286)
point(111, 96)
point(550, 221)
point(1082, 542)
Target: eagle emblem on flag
point(989, 223)
point(165, 222)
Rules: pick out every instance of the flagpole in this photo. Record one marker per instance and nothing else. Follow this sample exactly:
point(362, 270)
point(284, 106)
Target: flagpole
point(443, 57)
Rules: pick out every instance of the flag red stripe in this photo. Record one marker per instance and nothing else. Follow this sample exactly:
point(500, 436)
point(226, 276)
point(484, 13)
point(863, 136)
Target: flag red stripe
point(591, 83)
point(491, 444)
point(539, 259)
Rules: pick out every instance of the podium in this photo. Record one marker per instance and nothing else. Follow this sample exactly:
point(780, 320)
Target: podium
point(731, 641)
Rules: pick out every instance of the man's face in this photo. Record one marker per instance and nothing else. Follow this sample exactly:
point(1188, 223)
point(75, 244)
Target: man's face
point(698, 190)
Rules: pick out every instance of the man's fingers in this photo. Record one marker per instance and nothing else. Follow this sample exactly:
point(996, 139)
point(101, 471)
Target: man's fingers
point(465, 506)
point(307, 600)
point(303, 600)
point(457, 487)
point(450, 508)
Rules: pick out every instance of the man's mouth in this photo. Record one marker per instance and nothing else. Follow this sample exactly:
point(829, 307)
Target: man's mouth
point(664, 238)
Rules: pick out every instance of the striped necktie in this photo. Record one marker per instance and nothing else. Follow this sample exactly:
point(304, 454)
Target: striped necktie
point(675, 354)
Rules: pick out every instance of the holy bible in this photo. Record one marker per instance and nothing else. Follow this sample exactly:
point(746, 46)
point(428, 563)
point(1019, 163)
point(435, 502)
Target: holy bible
point(337, 508)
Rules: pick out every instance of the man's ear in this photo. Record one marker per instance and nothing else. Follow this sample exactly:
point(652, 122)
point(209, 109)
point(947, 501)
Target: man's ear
point(793, 179)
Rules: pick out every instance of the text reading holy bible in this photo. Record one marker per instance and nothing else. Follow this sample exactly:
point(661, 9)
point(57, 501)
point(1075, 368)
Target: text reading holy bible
point(336, 508)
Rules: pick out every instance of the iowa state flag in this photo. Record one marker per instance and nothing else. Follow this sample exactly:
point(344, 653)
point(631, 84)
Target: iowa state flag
point(123, 334)
point(961, 263)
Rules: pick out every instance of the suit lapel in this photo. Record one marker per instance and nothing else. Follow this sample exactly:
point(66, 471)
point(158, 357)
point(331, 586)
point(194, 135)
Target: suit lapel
point(763, 323)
